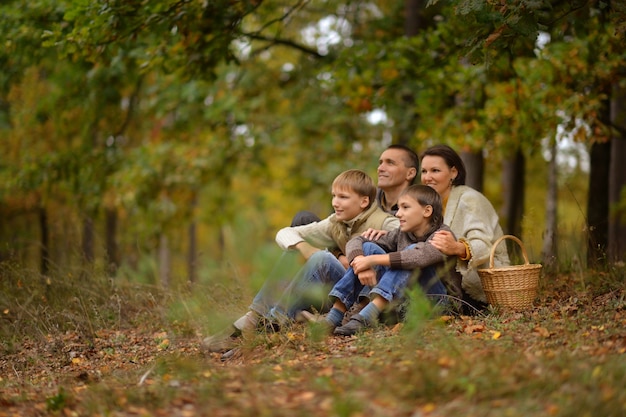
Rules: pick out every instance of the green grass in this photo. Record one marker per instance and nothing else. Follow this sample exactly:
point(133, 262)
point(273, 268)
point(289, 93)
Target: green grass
point(80, 343)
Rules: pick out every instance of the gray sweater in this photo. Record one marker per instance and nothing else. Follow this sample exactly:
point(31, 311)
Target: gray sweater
point(423, 255)
point(394, 243)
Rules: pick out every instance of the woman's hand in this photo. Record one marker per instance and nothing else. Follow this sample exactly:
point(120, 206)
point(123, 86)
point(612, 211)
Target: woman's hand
point(447, 244)
point(373, 234)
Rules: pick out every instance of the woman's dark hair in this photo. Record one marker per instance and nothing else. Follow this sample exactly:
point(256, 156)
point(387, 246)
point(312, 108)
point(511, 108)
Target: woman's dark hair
point(427, 196)
point(452, 159)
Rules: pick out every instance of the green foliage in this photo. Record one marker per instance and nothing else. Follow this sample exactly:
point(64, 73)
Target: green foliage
point(172, 112)
point(190, 38)
point(58, 401)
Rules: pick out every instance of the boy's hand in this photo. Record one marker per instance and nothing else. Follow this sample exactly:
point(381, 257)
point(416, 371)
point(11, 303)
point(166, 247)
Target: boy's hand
point(368, 277)
point(373, 234)
point(360, 264)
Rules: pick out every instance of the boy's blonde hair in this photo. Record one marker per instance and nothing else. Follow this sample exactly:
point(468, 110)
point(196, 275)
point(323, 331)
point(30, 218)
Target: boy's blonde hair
point(427, 196)
point(357, 181)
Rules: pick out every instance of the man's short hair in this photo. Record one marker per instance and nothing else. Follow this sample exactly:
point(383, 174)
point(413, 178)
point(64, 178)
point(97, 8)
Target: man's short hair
point(410, 160)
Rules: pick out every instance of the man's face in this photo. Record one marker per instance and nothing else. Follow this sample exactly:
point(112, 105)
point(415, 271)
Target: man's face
point(392, 171)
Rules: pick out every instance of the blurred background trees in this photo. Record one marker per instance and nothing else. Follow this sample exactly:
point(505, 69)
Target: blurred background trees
point(156, 138)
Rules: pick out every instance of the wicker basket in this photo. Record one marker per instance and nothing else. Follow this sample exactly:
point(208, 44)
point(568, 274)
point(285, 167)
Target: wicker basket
point(510, 287)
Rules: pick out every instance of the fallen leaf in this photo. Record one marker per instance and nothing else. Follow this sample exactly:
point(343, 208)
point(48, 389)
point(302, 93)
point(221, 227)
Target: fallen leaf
point(328, 371)
point(305, 396)
point(428, 408)
point(542, 331)
point(445, 361)
point(474, 328)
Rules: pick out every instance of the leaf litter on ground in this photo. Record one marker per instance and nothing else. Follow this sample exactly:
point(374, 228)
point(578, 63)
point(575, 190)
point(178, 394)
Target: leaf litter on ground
point(563, 357)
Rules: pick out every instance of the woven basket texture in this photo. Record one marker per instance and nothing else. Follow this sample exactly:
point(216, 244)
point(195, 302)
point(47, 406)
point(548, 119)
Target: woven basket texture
point(511, 287)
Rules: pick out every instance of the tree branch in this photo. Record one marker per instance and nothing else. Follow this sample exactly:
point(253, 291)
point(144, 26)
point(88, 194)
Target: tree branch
point(284, 42)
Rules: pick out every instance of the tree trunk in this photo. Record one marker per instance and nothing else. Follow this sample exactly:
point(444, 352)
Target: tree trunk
point(413, 17)
point(549, 249)
point(112, 255)
point(164, 260)
point(44, 244)
point(88, 240)
point(412, 25)
point(222, 243)
point(475, 167)
point(617, 174)
point(598, 204)
point(192, 258)
point(513, 186)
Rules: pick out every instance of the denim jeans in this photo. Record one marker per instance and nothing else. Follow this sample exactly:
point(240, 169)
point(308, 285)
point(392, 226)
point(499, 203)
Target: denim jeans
point(391, 282)
point(280, 297)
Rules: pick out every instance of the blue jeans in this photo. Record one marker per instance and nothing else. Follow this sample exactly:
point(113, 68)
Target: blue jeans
point(391, 282)
point(308, 289)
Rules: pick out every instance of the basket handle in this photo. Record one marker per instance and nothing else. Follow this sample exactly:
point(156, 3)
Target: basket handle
point(500, 239)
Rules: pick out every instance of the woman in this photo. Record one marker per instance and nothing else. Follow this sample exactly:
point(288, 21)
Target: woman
point(469, 215)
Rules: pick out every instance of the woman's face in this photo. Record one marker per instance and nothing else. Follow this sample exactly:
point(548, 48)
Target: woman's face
point(437, 174)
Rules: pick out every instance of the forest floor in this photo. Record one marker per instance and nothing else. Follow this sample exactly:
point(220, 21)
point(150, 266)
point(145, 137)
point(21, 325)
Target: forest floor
point(564, 357)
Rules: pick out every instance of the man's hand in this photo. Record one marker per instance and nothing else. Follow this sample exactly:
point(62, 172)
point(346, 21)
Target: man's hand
point(373, 234)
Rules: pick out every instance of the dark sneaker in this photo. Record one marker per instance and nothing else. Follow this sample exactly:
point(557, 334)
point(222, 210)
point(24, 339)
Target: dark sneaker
point(355, 309)
point(356, 324)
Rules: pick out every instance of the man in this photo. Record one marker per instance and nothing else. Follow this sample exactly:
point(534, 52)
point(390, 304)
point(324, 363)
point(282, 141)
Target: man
point(397, 169)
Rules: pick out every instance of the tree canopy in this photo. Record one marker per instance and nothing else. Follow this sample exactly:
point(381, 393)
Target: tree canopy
point(251, 108)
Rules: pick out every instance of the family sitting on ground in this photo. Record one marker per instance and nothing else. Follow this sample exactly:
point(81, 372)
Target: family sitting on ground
point(377, 243)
